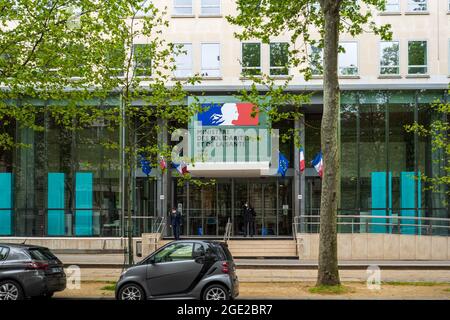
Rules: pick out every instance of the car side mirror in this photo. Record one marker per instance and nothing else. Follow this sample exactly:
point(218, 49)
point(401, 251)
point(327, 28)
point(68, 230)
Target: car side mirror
point(200, 259)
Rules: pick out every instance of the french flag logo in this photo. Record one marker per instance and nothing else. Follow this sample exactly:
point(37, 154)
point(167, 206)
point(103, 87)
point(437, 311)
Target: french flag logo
point(229, 114)
point(302, 160)
point(318, 164)
point(181, 167)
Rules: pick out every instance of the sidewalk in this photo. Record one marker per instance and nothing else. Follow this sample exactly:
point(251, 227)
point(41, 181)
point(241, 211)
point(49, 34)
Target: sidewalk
point(117, 261)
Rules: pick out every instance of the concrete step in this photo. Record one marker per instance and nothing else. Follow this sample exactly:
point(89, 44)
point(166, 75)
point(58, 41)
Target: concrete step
point(258, 248)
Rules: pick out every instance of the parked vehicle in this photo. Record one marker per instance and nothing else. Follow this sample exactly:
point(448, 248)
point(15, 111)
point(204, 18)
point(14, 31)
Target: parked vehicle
point(29, 271)
point(186, 269)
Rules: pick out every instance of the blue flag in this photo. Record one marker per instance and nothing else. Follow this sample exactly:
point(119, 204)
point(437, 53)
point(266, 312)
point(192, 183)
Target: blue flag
point(283, 164)
point(145, 165)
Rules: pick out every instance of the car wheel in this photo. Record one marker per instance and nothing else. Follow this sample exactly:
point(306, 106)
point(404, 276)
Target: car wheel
point(131, 292)
point(10, 290)
point(216, 292)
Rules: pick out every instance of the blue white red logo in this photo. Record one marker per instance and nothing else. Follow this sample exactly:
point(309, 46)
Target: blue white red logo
point(302, 160)
point(229, 114)
point(318, 164)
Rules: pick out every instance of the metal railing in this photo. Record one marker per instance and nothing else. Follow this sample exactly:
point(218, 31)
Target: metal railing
point(63, 223)
point(228, 231)
point(363, 223)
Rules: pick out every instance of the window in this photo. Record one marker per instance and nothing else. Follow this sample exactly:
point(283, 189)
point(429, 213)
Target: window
point(251, 58)
point(3, 253)
point(348, 60)
point(210, 7)
point(182, 7)
point(210, 59)
point(279, 55)
point(389, 57)
point(175, 252)
point(316, 60)
point(448, 55)
point(115, 60)
point(417, 57)
point(143, 8)
point(392, 6)
point(417, 5)
point(142, 60)
point(183, 61)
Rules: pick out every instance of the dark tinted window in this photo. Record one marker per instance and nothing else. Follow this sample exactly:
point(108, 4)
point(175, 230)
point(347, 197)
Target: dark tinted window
point(3, 253)
point(226, 251)
point(199, 250)
point(41, 254)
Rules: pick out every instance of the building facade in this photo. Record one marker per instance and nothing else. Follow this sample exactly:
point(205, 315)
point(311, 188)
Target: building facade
point(68, 184)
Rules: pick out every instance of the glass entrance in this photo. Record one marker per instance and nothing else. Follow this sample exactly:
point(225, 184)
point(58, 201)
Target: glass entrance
point(208, 208)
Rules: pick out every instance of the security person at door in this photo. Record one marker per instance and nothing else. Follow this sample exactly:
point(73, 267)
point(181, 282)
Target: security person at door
point(248, 214)
point(175, 221)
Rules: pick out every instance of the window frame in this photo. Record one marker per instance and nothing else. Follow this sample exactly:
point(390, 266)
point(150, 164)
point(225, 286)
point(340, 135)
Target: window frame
point(252, 68)
point(418, 66)
point(277, 67)
point(220, 60)
point(219, 6)
point(7, 250)
point(410, 4)
point(398, 4)
point(191, 60)
point(150, 68)
point(357, 60)
point(311, 66)
point(174, 7)
point(398, 57)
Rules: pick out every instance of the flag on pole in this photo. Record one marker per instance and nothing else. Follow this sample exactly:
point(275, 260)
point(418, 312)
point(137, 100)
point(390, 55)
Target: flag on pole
point(302, 160)
point(145, 165)
point(318, 163)
point(181, 167)
point(283, 164)
point(162, 163)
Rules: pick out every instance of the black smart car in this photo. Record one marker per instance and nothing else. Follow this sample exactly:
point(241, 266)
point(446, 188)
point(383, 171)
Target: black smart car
point(29, 271)
point(187, 269)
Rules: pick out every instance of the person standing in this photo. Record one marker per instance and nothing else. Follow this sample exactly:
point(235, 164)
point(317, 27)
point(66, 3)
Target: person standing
point(175, 222)
point(247, 215)
point(252, 226)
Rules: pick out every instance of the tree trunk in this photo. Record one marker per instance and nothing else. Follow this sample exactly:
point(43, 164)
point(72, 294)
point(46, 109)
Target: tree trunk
point(328, 273)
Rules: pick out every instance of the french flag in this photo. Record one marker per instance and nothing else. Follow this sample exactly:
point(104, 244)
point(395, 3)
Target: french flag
point(181, 167)
point(302, 160)
point(229, 114)
point(162, 163)
point(318, 163)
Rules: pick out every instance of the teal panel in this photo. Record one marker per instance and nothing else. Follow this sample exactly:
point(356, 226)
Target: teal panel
point(55, 203)
point(83, 203)
point(5, 204)
point(408, 181)
point(379, 194)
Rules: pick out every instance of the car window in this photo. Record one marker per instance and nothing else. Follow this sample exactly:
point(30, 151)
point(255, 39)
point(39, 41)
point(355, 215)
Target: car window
point(3, 253)
point(175, 252)
point(199, 250)
point(41, 254)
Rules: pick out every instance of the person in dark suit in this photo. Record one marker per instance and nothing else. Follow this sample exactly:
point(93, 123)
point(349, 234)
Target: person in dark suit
point(247, 213)
point(252, 226)
point(175, 222)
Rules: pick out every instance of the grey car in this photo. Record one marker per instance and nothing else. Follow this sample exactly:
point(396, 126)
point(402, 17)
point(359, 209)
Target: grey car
point(187, 269)
point(29, 271)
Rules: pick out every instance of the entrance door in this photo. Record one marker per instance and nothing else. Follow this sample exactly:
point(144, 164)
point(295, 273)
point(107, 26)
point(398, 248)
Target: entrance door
point(313, 187)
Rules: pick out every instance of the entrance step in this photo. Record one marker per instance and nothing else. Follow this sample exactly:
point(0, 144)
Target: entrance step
point(261, 248)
